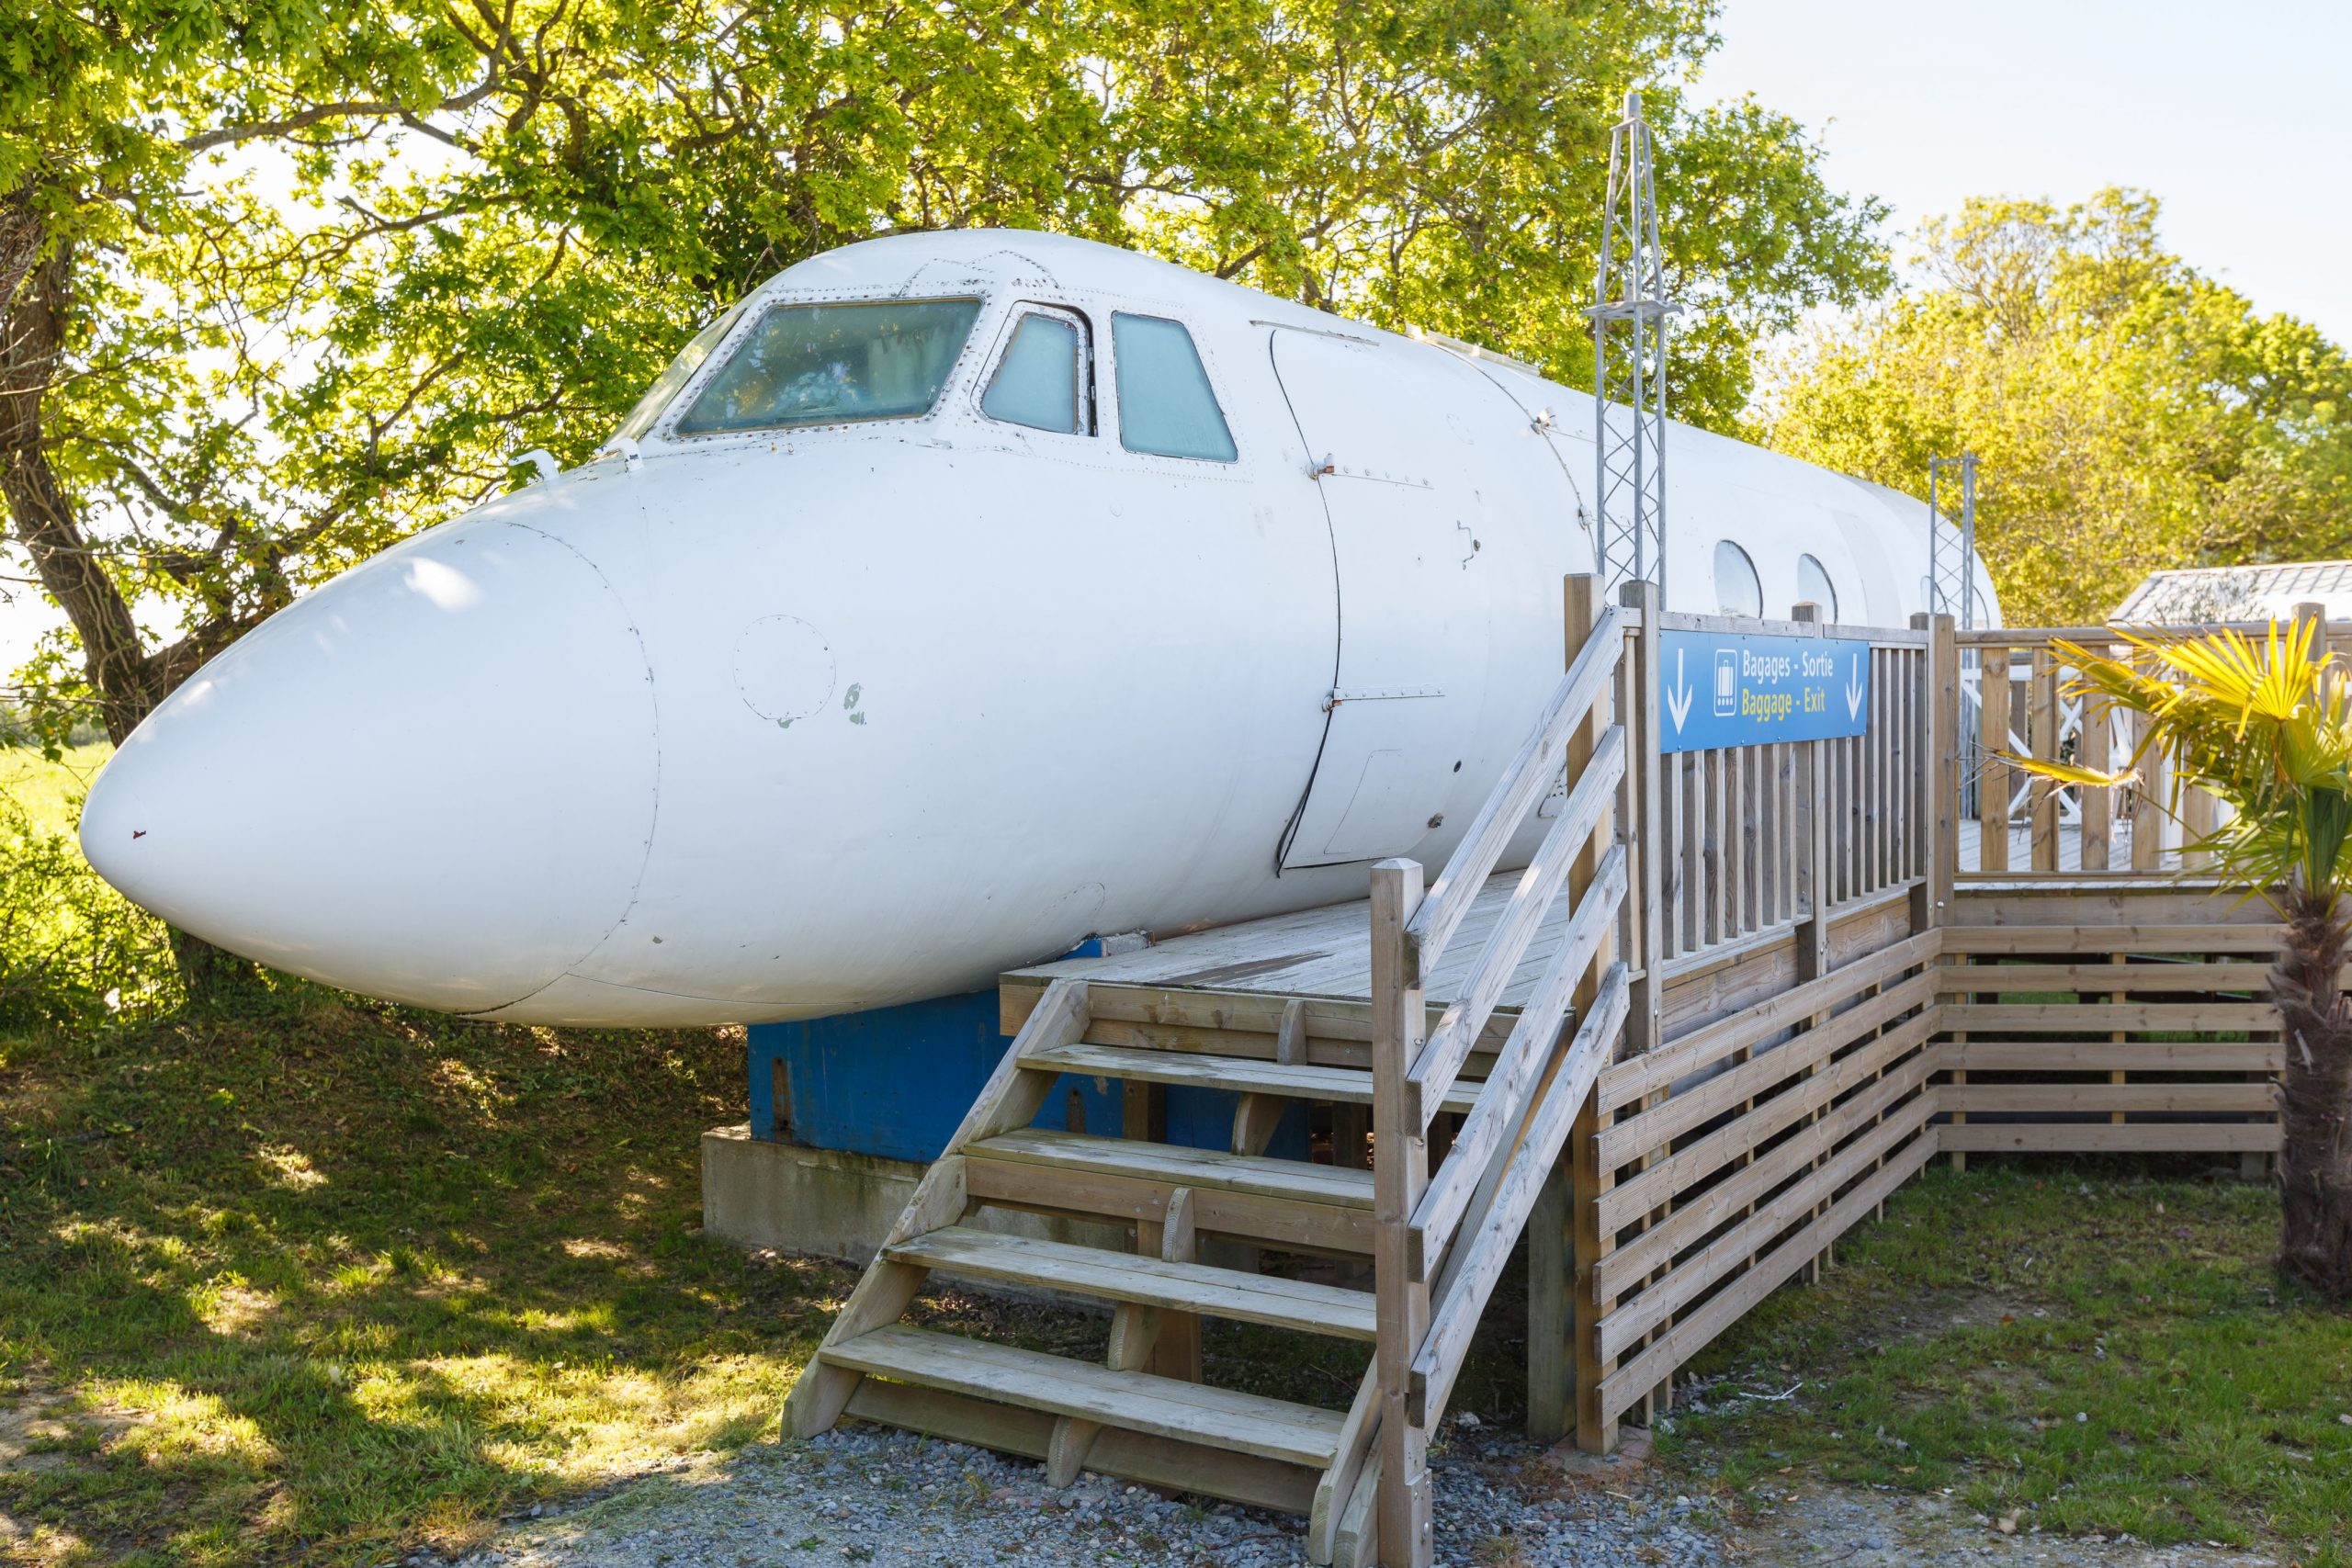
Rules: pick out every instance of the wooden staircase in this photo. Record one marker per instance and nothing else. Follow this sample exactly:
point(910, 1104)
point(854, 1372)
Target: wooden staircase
point(1143, 1414)
point(1437, 1235)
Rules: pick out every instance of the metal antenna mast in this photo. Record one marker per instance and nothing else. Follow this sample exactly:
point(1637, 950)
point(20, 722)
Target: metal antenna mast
point(1951, 561)
point(1628, 320)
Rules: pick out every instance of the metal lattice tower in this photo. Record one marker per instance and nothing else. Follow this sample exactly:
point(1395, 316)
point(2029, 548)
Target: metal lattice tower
point(1952, 591)
point(1629, 320)
point(1952, 552)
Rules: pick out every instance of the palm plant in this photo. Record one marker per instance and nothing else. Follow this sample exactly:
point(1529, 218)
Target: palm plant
point(2266, 727)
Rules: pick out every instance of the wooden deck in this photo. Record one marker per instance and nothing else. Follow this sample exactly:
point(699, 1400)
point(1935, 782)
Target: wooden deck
point(1324, 952)
point(2069, 843)
point(1736, 1001)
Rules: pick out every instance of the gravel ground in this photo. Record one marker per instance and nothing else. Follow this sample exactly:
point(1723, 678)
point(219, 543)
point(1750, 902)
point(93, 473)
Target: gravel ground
point(862, 1495)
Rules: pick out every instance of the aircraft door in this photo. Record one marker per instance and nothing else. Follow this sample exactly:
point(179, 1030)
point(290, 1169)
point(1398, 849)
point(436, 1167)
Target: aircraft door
point(1394, 463)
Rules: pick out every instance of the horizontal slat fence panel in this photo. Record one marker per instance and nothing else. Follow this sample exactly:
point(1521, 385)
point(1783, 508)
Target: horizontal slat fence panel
point(2059, 939)
point(1628, 1383)
point(2186, 1138)
point(1730, 1156)
point(2129, 1037)
point(1733, 1155)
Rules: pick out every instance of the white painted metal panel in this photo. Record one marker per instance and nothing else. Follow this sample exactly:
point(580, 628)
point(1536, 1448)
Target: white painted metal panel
point(1387, 441)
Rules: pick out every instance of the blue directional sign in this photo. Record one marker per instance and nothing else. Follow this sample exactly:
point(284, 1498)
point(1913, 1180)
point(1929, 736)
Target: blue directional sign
point(1725, 689)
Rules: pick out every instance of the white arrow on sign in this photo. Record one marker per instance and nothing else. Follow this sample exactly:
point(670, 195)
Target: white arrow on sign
point(1854, 690)
point(1678, 701)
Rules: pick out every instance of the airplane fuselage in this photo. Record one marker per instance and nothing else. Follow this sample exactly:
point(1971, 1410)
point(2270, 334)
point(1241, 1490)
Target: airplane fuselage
point(743, 722)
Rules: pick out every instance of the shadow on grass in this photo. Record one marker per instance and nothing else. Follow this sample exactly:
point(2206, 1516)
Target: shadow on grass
point(2093, 1346)
point(329, 1280)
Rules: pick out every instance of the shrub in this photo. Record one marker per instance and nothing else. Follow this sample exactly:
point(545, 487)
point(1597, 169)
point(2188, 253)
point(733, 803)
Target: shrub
point(72, 949)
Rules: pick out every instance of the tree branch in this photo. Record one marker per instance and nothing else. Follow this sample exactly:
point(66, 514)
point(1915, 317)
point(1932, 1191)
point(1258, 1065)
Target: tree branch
point(347, 108)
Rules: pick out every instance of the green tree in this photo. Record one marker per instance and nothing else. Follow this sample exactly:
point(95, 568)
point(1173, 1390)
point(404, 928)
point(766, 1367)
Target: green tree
point(1442, 164)
point(2132, 413)
point(282, 280)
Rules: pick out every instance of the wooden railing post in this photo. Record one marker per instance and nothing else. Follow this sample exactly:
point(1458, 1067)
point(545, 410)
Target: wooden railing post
point(1992, 692)
point(1400, 1171)
point(2096, 807)
point(1817, 821)
point(1560, 1319)
point(2042, 738)
point(1821, 821)
point(1939, 724)
point(1588, 1181)
point(1646, 827)
point(1580, 608)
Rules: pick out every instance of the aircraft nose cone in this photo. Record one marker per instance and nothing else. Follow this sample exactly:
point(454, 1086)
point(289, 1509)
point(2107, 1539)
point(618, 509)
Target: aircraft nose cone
point(431, 780)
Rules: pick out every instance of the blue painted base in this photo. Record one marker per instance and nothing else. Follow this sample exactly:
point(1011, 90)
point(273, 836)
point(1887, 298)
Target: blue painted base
point(897, 1081)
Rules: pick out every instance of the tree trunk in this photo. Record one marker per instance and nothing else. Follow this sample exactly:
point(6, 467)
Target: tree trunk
point(35, 298)
point(2316, 1098)
point(213, 975)
point(41, 514)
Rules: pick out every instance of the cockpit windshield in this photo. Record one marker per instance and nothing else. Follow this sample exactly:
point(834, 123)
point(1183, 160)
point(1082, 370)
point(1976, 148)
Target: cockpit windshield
point(665, 386)
point(828, 363)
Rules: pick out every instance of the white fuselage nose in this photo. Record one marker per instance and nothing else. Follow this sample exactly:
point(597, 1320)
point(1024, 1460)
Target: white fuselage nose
point(433, 780)
point(742, 736)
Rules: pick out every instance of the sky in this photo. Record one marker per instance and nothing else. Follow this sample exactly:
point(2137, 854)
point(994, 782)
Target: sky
point(2234, 114)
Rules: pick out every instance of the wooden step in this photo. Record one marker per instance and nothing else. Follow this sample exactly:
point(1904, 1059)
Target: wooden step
point(1127, 1277)
point(1337, 1086)
point(1175, 1166)
point(1271, 1428)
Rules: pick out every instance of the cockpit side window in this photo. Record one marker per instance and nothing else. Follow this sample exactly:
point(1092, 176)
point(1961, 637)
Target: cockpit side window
point(1043, 378)
point(832, 364)
point(680, 371)
point(1166, 404)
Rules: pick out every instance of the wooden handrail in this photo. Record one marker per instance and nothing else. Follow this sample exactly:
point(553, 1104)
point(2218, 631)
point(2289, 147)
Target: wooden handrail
point(1349, 1462)
point(1502, 1100)
point(2026, 636)
point(1412, 1067)
point(1440, 1062)
point(1461, 1296)
point(1525, 780)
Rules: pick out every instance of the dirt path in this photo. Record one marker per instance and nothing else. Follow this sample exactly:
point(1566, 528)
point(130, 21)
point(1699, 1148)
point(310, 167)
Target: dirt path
point(1819, 1525)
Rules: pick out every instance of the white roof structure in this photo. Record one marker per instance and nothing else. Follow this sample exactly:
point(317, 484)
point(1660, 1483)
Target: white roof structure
point(2240, 592)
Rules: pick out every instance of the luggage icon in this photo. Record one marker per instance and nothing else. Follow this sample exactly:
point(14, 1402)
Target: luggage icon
point(1726, 683)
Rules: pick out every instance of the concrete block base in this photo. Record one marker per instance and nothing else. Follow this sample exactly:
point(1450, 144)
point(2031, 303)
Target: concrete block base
point(757, 1193)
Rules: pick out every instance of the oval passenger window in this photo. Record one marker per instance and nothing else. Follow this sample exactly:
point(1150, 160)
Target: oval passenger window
point(1736, 588)
point(1812, 582)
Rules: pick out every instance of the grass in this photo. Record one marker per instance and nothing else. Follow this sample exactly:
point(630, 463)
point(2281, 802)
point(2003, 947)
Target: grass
point(331, 1281)
point(49, 791)
point(2089, 1350)
point(334, 1279)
